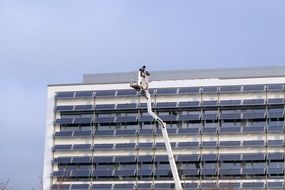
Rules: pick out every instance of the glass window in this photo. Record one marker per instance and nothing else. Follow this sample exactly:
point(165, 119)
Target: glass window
point(103, 146)
point(83, 107)
point(166, 105)
point(126, 145)
point(275, 87)
point(209, 143)
point(229, 143)
point(275, 101)
point(125, 159)
point(226, 89)
point(188, 158)
point(83, 94)
point(275, 156)
point(253, 157)
point(253, 143)
point(189, 104)
point(253, 102)
point(253, 88)
point(64, 94)
point(278, 185)
point(64, 108)
point(189, 90)
point(162, 91)
point(147, 158)
point(145, 145)
point(210, 103)
point(104, 106)
point(229, 157)
point(124, 132)
point(103, 93)
point(230, 102)
point(129, 92)
point(209, 157)
point(210, 89)
point(127, 106)
point(81, 147)
point(275, 142)
point(126, 119)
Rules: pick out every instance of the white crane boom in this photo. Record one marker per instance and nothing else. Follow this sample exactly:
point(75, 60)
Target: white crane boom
point(141, 85)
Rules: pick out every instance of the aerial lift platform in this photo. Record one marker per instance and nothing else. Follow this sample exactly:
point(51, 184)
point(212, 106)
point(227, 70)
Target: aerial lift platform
point(141, 84)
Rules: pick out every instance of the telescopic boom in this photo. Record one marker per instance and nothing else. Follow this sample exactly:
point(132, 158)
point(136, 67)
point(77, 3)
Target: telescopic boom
point(141, 84)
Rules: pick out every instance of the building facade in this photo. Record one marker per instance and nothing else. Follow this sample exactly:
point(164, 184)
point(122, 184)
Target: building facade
point(226, 128)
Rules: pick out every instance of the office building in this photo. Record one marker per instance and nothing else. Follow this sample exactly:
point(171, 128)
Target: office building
point(226, 128)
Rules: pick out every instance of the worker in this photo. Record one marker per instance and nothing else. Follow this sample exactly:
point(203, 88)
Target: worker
point(145, 78)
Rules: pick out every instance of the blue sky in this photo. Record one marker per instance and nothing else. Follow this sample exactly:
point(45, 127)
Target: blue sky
point(56, 41)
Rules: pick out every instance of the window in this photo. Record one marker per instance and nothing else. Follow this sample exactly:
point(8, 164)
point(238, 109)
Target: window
point(162, 91)
point(230, 130)
point(129, 92)
point(81, 147)
point(275, 113)
point(166, 105)
point(229, 143)
point(189, 90)
point(125, 159)
point(188, 158)
point(185, 131)
point(82, 121)
point(253, 88)
point(210, 103)
point(229, 89)
point(83, 94)
point(209, 89)
point(64, 94)
point(126, 119)
point(189, 104)
point(104, 120)
point(229, 157)
point(253, 185)
point(79, 186)
point(83, 107)
point(81, 160)
point(125, 132)
point(253, 102)
point(275, 87)
point(103, 93)
point(104, 133)
point(275, 156)
point(64, 108)
point(62, 147)
point(275, 143)
point(103, 146)
point(126, 146)
point(123, 186)
point(145, 145)
point(127, 106)
point(209, 157)
point(230, 102)
point(257, 157)
point(162, 145)
point(253, 143)
point(63, 134)
point(105, 106)
point(189, 117)
point(275, 101)
point(209, 143)
point(144, 185)
point(82, 133)
point(147, 158)
point(188, 144)
point(62, 160)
